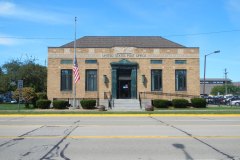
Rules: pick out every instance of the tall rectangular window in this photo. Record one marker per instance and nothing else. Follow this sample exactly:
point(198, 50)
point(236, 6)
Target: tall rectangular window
point(91, 80)
point(66, 79)
point(156, 78)
point(181, 80)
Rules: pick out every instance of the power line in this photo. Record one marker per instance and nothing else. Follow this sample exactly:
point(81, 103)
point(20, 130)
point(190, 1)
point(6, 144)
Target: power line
point(40, 38)
point(170, 35)
point(203, 33)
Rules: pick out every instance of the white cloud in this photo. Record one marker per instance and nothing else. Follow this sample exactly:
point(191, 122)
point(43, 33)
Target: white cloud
point(234, 5)
point(233, 9)
point(137, 9)
point(5, 41)
point(8, 9)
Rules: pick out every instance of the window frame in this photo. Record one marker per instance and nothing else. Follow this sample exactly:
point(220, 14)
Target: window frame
point(90, 61)
point(156, 61)
point(93, 81)
point(178, 85)
point(66, 80)
point(66, 61)
point(182, 61)
point(159, 80)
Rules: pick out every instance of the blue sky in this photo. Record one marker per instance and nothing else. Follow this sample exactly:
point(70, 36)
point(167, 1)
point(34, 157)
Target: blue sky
point(28, 27)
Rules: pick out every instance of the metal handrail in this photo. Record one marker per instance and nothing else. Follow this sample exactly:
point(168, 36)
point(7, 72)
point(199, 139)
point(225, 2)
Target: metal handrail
point(109, 98)
point(145, 94)
point(140, 100)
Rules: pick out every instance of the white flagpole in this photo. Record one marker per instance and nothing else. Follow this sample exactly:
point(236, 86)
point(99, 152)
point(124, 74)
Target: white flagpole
point(74, 88)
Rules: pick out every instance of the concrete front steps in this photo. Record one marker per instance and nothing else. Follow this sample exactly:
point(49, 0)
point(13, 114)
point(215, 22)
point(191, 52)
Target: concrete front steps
point(126, 105)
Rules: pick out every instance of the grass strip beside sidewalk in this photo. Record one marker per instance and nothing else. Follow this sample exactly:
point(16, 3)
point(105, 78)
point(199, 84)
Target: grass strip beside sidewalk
point(13, 109)
point(34, 112)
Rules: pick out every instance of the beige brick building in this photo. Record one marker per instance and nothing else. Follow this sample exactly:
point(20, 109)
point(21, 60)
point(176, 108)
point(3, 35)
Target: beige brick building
point(130, 67)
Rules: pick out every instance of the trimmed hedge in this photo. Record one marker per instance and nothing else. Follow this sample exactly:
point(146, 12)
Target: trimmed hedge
point(199, 102)
point(88, 104)
point(43, 104)
point(160, 103)
point(60, 104)
point(180, 103)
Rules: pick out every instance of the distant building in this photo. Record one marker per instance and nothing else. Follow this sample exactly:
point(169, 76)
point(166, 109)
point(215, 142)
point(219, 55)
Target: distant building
point(123, 67)
point(236, 84)
point(212, 82)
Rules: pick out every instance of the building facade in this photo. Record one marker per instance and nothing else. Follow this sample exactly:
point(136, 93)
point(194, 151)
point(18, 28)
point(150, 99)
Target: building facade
point(123, 68)
point(212, 82)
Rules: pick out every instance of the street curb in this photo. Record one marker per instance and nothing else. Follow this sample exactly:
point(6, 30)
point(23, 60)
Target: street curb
point(119, 115)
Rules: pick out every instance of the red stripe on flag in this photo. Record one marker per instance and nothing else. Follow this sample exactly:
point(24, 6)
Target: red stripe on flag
point(76, 71)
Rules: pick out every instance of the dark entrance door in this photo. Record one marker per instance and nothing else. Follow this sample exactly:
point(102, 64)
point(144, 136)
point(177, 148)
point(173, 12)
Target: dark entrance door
point(124, 89)
point(124, 83)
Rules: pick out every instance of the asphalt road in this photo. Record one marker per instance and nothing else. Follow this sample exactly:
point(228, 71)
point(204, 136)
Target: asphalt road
point(119, 138)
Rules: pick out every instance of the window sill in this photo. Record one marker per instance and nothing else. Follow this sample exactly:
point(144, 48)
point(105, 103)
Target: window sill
point(70, 91)
point(185, 91)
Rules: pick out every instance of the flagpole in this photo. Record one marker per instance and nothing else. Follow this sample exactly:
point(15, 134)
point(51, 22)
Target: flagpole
point(74, 87)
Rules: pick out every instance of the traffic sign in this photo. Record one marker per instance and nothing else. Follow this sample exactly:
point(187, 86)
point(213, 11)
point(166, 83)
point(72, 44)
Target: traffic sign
point(20, 84)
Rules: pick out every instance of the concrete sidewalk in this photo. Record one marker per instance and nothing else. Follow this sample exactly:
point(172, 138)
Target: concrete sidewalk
point(120, 115)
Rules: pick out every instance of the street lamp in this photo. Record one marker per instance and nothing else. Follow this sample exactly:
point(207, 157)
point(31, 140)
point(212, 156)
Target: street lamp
point(204, 78)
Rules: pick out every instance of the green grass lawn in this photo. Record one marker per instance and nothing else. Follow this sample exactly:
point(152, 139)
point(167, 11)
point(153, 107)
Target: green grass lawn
point(9, 106)
point(211, 109)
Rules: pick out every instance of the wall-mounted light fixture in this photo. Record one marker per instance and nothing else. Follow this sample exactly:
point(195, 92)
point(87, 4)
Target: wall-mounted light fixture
point(105, 79)
point(143, 79)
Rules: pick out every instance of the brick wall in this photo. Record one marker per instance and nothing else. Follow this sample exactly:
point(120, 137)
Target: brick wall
point(136, 55)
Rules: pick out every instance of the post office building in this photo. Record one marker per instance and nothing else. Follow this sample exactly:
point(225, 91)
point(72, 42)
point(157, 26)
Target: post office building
point(123, 69)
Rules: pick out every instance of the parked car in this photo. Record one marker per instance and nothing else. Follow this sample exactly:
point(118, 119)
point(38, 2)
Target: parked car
point(13, 101)
point(217, 100)
point(229, 100)
point(235, 102)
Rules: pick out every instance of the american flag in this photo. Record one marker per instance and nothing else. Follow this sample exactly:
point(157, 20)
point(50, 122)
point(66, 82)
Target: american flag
point(75, 70)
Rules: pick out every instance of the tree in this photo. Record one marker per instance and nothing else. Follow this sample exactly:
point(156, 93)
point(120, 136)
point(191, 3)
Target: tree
point(8, 75)
point(32, 74)
point(3, 82)
point(231, 89)
point(28, 94)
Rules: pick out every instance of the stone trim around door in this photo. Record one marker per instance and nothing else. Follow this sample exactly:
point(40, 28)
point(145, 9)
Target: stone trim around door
point(124, 64)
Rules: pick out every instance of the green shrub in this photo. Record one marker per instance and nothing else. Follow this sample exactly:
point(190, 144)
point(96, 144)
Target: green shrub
point(27, 105)
point(88, 104)
point(160, 103)
point(60, 104)
point(199, 102)
point(43, 104)
point(42, 95)
point(180, 103)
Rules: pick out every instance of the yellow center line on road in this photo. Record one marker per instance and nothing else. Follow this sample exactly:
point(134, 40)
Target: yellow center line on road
point(118, 125)
point(119, 115)
point(120, 137)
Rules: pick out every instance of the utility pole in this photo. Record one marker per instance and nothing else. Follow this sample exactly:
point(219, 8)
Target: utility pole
point(225, 72)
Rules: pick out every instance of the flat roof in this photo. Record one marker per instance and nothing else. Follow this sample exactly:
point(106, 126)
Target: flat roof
point(215, 79)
